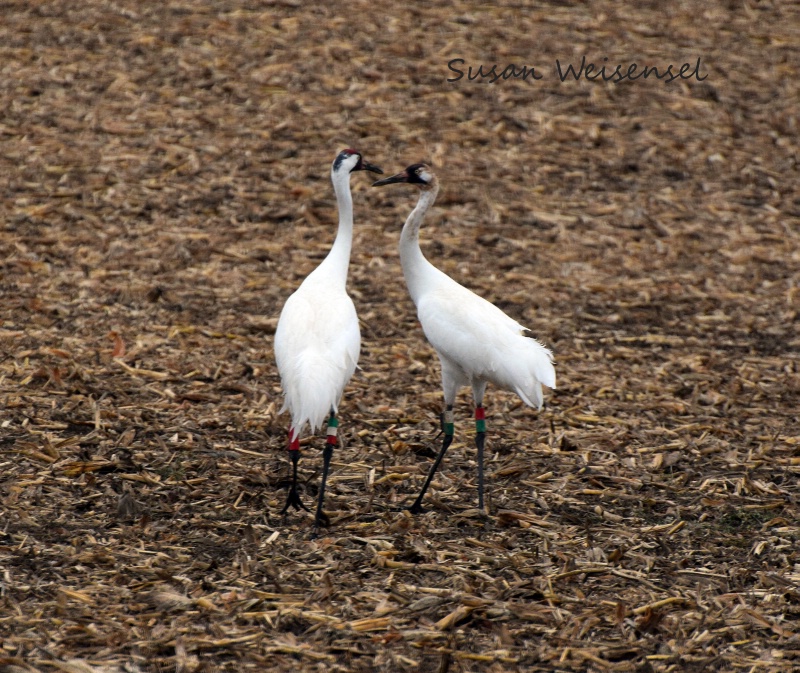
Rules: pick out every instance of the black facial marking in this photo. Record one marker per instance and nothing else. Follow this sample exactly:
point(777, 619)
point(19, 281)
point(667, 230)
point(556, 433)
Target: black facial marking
point(413, 176)
point(341, 157)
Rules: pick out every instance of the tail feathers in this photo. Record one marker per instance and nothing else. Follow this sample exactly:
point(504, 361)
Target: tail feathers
point(312, 387)
point(302, 417)
point(533, 396)
point(546, 373)
point(538, 365)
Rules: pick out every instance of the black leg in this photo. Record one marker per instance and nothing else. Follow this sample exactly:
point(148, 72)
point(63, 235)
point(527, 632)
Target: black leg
point(321, 519)
point(447, 426)
point(293, 499)
point(480, 439)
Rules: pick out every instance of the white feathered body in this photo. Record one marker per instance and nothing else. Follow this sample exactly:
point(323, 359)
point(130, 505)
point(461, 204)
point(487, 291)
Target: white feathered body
point(476, 341)
point(317, 343)
point(317, 340)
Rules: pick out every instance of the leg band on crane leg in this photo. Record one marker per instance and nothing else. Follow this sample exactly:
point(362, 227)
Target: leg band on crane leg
point(293, 498)
point(480, 439)
point(449, 430)
point(320, 518)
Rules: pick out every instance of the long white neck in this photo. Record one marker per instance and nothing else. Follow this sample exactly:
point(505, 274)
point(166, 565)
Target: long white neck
point(416, 268)
point(338, 259)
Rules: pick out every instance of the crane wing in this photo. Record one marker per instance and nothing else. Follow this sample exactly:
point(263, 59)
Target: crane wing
point(464, 327)
point(482, 341)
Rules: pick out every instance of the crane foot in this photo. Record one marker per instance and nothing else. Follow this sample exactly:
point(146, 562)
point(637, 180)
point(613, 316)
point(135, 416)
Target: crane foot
point(293, 500)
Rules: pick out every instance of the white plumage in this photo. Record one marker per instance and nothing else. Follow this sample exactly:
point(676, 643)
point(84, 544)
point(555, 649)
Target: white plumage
point(317, 344)
point(476, 342)
point(317, 340)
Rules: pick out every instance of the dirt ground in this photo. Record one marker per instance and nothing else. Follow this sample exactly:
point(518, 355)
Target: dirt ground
point(165, 186)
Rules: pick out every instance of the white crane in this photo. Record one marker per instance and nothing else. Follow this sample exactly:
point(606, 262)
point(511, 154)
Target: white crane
point(477, 343)
point(317, 340)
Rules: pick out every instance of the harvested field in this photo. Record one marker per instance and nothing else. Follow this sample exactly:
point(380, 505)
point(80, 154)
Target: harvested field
point(164, 170)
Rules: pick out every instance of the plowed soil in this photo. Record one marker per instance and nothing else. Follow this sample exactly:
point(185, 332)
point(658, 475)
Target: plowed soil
point(165, 180)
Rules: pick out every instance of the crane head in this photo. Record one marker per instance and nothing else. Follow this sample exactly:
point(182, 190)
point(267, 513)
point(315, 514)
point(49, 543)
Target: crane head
point(350, 160)
point(416, 174)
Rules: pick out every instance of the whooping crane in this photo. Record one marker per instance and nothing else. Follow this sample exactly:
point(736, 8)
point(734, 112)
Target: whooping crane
point(317, 340)
point(476, 342)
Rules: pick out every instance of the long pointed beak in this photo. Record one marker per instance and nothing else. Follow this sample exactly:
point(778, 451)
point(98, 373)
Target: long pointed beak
point(366, 166)
point(400, 177)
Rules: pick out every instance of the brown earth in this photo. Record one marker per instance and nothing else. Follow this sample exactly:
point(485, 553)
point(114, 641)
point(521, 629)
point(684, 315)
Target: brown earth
point(165, 187)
